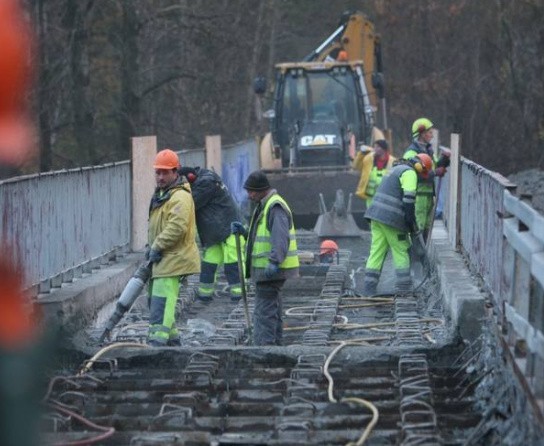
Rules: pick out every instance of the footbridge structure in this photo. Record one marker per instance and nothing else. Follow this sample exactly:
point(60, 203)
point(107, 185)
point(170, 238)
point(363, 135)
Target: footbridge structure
point(460, 361)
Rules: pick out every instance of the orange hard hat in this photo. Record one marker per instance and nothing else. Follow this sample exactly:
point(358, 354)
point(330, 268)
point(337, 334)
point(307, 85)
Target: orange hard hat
point(166, 159)
point(342, 56)
point(328, 247)
point(423, 164)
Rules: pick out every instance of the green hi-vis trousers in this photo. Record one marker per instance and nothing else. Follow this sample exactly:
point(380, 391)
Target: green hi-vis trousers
point(385, 237)
point(424, 204)
point(223, 253)
point(163, 292)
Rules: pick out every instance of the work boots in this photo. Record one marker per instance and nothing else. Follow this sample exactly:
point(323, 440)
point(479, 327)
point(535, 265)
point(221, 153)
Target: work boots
point(227, 294)
point(204, 298)
point(174, 342)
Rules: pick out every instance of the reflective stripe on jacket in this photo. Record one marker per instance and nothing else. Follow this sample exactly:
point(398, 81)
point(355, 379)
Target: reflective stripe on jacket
point(261, 245)
point(398, 186)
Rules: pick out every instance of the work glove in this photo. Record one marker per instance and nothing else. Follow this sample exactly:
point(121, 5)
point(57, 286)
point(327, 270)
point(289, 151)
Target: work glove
point(147, 249)
point(440, 171)
point(410, 216)
point(155, 256)
point(443, 161)
point(271, 270)
point(238, 228)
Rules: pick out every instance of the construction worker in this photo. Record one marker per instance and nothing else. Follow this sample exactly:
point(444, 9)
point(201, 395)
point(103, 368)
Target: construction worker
point(271, 256)
point(373, 165)
point(172, 246)
point(328, 251)
point(392, 219)
point(422, 136)
point(215, 211)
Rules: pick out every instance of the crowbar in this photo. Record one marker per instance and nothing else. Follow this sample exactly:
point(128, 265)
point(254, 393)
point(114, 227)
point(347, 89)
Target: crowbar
point(243, 285)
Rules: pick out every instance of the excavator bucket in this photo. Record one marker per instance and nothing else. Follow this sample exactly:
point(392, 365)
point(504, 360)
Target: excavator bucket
point(338, 222)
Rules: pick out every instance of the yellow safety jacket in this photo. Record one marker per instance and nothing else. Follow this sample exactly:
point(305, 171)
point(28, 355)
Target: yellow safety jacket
point(262, 246)
point(172, 231)
point(370, 175)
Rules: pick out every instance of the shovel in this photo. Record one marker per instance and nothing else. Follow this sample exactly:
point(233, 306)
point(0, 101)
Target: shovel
point(433, 210)
point(243, 285)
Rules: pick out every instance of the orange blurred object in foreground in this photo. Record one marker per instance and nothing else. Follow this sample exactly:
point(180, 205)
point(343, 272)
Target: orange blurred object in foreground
point(16, 130)
point(17, 327)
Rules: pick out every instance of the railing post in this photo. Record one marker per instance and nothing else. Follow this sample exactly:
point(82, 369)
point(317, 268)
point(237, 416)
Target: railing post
point(454, 189)
point(213, 153)
point(143, 153)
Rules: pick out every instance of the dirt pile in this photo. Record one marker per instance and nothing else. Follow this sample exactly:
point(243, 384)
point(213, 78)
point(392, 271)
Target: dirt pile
point(531, 182)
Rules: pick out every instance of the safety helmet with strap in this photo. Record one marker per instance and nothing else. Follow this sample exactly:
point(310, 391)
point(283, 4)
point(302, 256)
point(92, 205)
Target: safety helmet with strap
point(421, 125)
point(423, 164)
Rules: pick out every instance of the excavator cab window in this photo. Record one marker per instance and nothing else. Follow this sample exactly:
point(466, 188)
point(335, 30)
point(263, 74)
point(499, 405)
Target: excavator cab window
point(294, 100)
point(319, 103)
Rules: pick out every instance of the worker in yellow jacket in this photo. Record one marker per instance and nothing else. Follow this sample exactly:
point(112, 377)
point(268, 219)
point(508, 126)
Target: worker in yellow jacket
point(373, 165)
point(172, 251)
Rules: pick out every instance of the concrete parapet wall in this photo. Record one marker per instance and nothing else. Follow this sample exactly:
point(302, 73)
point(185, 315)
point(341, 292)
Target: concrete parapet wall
point(463, 300)
point(74, 305)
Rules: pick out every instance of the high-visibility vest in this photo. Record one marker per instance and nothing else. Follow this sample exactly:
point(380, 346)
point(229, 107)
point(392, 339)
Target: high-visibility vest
point(387, 206)
point(425, 187)
point(261, 245)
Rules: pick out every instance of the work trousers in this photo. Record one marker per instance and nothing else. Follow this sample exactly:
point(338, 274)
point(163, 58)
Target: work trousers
point(163, 296)
point(267, 316)
point(225, 254)
point(386, 237)
point(423, 207)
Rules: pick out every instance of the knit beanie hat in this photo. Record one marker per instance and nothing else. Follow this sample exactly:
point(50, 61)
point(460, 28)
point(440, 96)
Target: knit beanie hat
point(257, 181)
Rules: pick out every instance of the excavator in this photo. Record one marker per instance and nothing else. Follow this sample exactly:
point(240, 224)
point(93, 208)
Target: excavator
point(324, 108)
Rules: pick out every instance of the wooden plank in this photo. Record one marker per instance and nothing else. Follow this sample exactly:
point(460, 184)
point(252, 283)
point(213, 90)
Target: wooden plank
point(144, 150)
point(524, 242)
point(213, 153)
point(533, 338)
point(453, 188)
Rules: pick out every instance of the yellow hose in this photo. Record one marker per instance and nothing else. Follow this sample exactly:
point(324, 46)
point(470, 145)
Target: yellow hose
point(368, 404)
point(91, 361)
point(372, 325)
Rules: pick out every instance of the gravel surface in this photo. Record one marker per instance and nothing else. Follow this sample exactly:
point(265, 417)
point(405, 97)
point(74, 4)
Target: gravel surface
point(531, 182)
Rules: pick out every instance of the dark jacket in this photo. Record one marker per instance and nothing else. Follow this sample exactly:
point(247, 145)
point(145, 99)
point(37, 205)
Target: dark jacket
point(215, 208)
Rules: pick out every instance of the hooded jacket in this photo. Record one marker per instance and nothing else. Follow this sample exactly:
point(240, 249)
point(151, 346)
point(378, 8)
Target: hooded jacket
point(172, 231)
point(364, 163)
point(214, 206)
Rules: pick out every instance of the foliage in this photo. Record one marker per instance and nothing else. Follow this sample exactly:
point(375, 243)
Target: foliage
point(109, 70)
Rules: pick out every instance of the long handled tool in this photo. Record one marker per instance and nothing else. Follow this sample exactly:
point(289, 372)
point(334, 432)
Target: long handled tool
point(132, 290)
point(420, 252)
point(433, 210)
point(243, 285)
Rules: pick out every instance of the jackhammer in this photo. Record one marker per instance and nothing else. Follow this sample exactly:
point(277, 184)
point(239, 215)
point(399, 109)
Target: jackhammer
point(132, 290)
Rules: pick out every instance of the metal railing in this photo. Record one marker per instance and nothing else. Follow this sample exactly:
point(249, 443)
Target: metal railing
point(502, 238)
point(64, 223)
